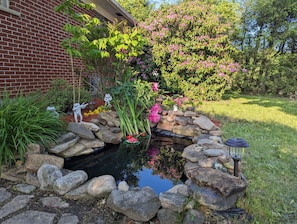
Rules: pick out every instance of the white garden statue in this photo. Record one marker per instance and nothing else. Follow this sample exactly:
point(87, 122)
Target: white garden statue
point(107, 99)
point(53, 110)
point(77, 111)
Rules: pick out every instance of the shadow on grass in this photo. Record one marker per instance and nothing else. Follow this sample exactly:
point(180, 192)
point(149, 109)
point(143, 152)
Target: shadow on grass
point(284, 104)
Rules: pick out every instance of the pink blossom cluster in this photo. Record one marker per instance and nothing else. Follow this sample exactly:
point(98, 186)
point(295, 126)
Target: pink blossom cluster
point(154, 115)
point(179, 101)
point(155, 86)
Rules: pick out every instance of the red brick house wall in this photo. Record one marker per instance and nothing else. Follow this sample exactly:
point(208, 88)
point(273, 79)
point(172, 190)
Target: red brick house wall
point(30, 46)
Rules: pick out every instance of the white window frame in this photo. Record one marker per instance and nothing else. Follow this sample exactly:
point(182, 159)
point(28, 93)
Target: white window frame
point(5, 7)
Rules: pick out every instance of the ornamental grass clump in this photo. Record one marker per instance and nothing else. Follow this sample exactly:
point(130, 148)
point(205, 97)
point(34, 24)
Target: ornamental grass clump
point(24, 121)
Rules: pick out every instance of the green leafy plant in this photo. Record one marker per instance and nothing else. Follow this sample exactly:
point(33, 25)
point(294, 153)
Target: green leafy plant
point(93, 41)
point(60, 95)
point(131, 100)
point(22, 122)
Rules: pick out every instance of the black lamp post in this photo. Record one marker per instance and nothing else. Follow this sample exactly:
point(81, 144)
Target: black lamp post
point(236, 149)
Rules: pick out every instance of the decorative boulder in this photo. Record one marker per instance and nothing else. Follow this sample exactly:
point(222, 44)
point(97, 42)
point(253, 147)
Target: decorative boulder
point(138, 204)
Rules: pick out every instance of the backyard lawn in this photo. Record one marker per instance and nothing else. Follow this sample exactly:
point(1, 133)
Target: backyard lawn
point(269, 125)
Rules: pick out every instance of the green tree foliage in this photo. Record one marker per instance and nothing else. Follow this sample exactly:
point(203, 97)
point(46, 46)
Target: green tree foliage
point(191, 45)
point(92, 42)
point(268, 42)
point(138, 9)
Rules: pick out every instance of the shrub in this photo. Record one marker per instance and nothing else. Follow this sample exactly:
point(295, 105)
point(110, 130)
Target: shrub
point(23, 122)
point(60, 95)
point(191, 45)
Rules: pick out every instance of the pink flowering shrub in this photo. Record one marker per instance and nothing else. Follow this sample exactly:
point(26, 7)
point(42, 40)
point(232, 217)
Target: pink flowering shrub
point(190, 43)
point(154, 116)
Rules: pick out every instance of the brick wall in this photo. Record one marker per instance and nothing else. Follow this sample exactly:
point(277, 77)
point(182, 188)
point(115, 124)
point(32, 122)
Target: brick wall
point(30, 46)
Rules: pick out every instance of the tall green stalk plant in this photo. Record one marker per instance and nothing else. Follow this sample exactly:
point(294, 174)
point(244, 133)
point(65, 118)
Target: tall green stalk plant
point(131, 101)
point(23, 121)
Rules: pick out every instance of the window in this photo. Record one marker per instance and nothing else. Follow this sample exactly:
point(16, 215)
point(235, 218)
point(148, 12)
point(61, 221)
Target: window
point(4, 6)
point(4, 3)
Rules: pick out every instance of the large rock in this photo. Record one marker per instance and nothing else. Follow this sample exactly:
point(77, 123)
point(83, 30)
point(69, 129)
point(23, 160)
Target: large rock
point(101, 186)
point(79, 193)
point(213, 200)
point(70, 181)
point(210, 144)
point(181, 120)
point(107, 136)
point(66, 137)
point(192, 152)
point(76, 150)
point(179, 189)
point(167, 216)
point(172, 201)
point(91, 126)
point(194, 217)
point(95, 143)
point(188, 130)
point(138, 204)
point(205, 123)
point(80, 130)
point(47, 174)
point(222, 182)
point(35, 161)
point(109, 118)
point(63, 146)
point(164, 124)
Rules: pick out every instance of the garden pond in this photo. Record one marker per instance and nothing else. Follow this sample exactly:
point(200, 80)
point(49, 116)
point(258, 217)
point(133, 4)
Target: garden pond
point(155, 162)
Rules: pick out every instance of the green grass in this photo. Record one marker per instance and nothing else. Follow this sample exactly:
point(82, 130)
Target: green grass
point(269, 125)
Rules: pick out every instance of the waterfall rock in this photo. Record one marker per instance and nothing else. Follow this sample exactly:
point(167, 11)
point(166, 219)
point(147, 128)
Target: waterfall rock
point(80, 130)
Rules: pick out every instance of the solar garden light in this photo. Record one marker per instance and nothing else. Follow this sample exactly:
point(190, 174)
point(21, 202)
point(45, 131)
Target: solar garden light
point(236, 148)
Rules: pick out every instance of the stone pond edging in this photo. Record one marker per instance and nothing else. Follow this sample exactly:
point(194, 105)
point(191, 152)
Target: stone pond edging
point(208, 167)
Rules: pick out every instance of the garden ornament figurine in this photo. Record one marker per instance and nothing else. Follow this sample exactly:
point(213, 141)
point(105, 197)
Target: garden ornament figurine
point(107, 99)
point(77, 111)
point(53, 110)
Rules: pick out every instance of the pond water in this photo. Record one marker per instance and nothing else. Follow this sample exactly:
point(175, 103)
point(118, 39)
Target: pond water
point(156, 162)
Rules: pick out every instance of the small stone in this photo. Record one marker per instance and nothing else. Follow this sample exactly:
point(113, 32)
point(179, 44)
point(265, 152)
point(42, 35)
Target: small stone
point(15, 204)
point(54, 202)
point(68, 219)
point(214, 152)
point(25, 188)
point(31, 217)
point(4, 195)
point(123, 186)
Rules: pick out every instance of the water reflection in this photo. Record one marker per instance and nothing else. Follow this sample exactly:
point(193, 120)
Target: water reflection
point(155, 162)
